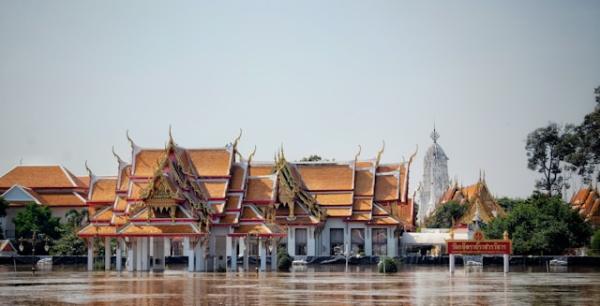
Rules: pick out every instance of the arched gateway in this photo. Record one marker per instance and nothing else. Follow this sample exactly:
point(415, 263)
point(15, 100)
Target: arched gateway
point(216, 206)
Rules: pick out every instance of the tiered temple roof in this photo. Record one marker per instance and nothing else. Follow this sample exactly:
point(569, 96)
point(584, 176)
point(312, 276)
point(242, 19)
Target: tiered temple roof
point(587, 202)
point(52, 186)
point(481, 204)
point(185, 192)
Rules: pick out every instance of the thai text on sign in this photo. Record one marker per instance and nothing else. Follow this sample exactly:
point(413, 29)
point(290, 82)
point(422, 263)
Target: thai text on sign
point(479, 247)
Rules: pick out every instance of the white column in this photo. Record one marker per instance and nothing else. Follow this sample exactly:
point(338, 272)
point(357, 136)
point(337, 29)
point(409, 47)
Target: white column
point(150, 252)
point(90, 256)
point(200, 252)
point(391, 243)
point(262, 252)
point(310, 232)
point(273, 255)
point(107, 254)
point(234, 254)
point(246, 254)
point(119, 260)
point(138, 254)
point(451, 263)
point(505, 259)
point(131, 255)
point(368, 242)
point(190, 254)
point(145, 254)
point(291, 243)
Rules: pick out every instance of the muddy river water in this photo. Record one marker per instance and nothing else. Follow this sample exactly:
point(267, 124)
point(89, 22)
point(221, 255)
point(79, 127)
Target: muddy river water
point(318, 285)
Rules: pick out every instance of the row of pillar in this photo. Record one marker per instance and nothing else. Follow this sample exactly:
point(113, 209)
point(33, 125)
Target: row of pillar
point(141, 251)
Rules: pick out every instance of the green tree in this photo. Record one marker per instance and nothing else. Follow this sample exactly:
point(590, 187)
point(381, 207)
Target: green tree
point(541, 225)
point(507, 203)
point(586, 156)
point(69, 243)
point(596, 243)
point(39, 219)
point(446, 215)
point(547, 149)
point(312, 158)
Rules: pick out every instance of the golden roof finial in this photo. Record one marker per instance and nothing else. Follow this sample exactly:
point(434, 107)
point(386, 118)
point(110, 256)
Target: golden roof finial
point(88, 169)
point(129, 138)
point(357, 153)
point(251, 155)
point(412, 156)
point(116, 156)
point(171, 135)
point(380, 153)
point(237, 139)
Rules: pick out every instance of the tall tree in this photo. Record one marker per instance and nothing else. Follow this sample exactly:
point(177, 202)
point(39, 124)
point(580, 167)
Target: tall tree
point(69, 243)
point(547, 148)
point(38, 219)
point(586, 156)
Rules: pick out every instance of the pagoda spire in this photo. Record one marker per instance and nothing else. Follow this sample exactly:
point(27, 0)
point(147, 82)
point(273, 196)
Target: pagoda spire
point(435, 135)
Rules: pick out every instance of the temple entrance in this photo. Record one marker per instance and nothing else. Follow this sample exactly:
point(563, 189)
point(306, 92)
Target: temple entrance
point(479, 246)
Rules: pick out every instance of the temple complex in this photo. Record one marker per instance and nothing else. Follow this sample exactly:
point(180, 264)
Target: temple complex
point(481, 205)
point(51, 186)
point(587, 202)
point(219, 206)
point(435, 178)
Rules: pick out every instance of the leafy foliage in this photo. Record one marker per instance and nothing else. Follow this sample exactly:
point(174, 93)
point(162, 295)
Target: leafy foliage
point(69, 243)
point(284, 260)
point(507, 203)
point(387, 265)
point(36, 218)
point(596, 242)
point(312, 158)
point(547, 148)
point(446, 215)
point(541, 225)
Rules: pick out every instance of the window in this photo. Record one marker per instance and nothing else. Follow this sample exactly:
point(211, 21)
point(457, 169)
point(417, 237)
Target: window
point(357, 237)
point(336, 241)
point(379, 241)
point(301, 237)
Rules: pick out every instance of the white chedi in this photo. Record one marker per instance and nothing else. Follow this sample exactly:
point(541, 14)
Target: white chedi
point(435, 178)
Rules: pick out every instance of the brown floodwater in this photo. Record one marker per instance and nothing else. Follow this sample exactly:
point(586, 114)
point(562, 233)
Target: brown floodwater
point(320, 285)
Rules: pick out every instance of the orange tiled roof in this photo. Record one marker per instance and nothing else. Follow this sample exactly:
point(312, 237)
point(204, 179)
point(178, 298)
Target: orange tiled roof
point(338, 211)
point(160, 229)
point(119, 220)
point(211, 162)
point(120, 204)
point(62, 199)
point(103, 190)
point(249, 213)
point(259, 189)
point(215, 189)
point(365, 164)
point(237, 178)
point(386, 187)
point(259, 170)
point(96, 230)
point(325, 176)
point(147, 160)
point(254, 229)
point(85, 180)
point(363, 204)
point(136, 189)
point(39, 177)
point(233, 202)
point(360, 216)
point(384, 221)
point(125, 174)
point(229, 218)
point(332, 199)
point(218, 207)
point(364, 183)
point(388, 168)
point(104, 215)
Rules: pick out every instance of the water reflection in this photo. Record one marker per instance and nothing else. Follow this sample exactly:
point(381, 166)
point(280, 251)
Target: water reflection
point(318, 284)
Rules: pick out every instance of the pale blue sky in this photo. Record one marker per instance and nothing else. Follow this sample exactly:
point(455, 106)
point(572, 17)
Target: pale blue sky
point(318, 76)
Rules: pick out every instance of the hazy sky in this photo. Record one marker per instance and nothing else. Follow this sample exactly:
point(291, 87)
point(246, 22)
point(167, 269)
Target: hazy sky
point(320, 77)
